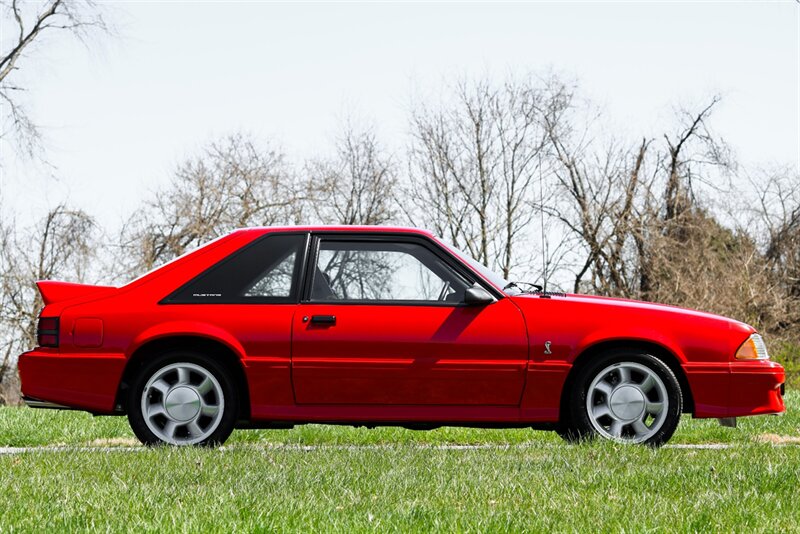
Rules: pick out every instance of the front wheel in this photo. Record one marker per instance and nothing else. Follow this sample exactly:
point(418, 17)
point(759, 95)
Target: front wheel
point(625, 396)
point(182, 399)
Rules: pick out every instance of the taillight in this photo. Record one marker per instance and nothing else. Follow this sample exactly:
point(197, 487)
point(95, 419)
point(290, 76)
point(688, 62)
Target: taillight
point(47, 332)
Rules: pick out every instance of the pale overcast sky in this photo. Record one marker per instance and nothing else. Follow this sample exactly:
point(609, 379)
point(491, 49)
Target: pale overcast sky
point(118, 120)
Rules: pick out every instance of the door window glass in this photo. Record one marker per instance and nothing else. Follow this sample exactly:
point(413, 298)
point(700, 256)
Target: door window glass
point(372, 271)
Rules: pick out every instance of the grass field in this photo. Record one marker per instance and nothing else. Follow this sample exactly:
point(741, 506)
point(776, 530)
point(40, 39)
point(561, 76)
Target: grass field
point(321, 478)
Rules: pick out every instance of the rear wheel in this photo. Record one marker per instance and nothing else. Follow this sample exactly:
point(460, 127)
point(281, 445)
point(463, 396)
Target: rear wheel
point(183, 398)
point(626, 396)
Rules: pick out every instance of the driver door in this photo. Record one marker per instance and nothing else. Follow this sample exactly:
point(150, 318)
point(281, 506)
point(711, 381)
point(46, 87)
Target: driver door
point(384, 322)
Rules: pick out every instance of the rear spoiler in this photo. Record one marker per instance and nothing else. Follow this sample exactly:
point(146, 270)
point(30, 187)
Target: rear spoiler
point(53, 291)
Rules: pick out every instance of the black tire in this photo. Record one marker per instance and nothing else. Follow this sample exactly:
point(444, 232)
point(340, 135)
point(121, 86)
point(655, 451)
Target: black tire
point(223, 392)
point(577, 425)
point(567, 431)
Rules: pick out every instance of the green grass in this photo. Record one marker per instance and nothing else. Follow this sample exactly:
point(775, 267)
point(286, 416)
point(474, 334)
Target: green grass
point(787, 353)
point(524, 481)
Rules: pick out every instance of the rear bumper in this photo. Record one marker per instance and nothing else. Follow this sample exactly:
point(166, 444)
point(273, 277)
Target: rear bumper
point(736, 389)
point(80, 381)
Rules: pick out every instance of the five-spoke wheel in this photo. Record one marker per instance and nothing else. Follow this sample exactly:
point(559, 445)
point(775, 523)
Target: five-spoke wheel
point(185, 399)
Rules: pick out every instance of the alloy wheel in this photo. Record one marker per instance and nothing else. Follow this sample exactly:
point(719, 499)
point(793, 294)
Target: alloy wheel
point(627, 402)
point(182, 403)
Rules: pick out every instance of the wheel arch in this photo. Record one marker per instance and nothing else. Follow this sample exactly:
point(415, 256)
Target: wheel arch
point(664, 354)
point(225, 355)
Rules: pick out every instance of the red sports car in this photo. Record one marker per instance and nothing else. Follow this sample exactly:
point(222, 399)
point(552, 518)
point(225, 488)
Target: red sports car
point(368, 326)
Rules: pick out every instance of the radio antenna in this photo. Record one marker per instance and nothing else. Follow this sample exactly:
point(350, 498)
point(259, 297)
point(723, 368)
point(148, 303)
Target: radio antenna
point(541, 214)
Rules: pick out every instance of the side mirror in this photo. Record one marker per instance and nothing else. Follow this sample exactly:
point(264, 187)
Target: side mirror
point(477, 296)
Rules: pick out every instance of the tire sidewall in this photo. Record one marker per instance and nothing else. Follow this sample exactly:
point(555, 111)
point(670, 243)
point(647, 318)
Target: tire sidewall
point(579, 417)
point(229, 413)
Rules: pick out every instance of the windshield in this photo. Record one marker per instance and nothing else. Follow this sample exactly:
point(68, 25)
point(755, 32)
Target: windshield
point(495, 278)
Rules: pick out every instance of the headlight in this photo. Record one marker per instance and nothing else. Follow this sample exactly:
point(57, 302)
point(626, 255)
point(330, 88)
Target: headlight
point(753, 349)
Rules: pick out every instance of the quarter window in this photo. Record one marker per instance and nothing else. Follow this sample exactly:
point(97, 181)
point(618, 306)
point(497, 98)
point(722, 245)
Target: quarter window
point(275, 282)
point(381, 271)
point(263, 271)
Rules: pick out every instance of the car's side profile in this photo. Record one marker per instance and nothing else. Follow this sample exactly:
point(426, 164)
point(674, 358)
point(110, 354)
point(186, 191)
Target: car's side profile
point(271, 327)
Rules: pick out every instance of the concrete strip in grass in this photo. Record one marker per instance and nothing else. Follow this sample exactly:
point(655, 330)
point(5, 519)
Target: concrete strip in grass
point(5, 451)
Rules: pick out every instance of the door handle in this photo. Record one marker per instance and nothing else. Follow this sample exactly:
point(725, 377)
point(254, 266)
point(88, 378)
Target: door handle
point(323, 319)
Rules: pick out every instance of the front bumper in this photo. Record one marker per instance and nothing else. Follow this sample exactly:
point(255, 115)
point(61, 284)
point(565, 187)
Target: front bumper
point(736, 389)
point(84, 381)
point(756, 389)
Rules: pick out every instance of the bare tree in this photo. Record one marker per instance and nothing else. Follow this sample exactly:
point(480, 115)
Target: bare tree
point(30, 22)
point(598, 206)
point(474, 164)
point(358, 185)
point(776, 229)
point(58, 247)
point(690, 152)
point(234, 183)
point(635, 210)
point(780, 201)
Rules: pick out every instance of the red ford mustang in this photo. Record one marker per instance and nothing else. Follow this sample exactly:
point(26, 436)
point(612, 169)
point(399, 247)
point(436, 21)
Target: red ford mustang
point(271, 327)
